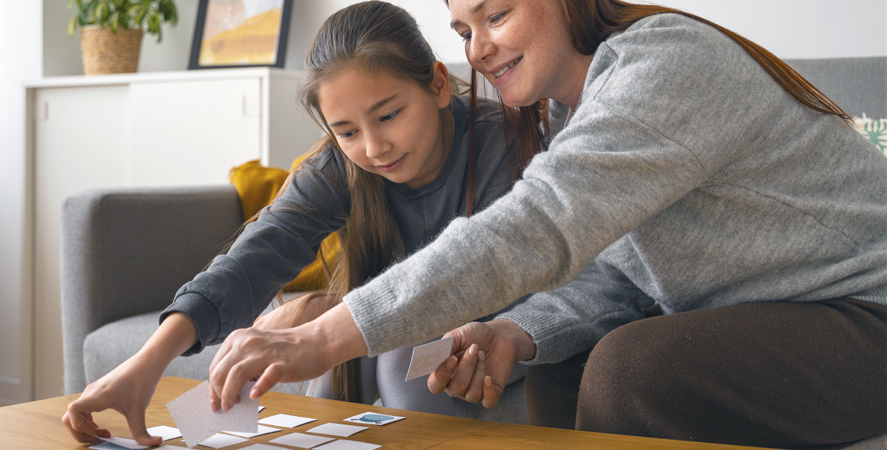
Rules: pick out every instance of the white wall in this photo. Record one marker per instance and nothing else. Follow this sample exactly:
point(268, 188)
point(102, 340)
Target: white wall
point(20, 45)
point(788, 28)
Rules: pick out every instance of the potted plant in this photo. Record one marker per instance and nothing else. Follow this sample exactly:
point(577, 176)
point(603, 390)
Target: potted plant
point(111, 31)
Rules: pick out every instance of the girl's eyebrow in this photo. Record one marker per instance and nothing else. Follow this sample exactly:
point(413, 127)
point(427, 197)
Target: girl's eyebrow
point(473, 10)
point(378, 105)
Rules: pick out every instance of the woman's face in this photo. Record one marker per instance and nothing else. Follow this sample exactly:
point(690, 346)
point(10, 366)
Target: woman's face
point(523, 47)
point(387, 125)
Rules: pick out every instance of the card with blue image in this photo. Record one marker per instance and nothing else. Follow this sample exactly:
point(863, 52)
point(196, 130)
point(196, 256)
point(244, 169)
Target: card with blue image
point(371, 418)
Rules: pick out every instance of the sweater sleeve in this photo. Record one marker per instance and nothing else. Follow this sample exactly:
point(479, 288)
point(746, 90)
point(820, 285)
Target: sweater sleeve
point(643, 135)
point(573, 318)
point(269, 253)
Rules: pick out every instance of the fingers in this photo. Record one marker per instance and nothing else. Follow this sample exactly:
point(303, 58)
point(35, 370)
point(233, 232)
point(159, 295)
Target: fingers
point(492, 392)
point(461, 380)
point(475, 390)
point(80, 425)
point(438, 380)
point(269, 378)
point(136, 420)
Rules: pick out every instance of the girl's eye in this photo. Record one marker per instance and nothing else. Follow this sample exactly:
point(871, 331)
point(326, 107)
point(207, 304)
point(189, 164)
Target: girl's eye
point(467, 36)
point(390, 116)
point(347, 134)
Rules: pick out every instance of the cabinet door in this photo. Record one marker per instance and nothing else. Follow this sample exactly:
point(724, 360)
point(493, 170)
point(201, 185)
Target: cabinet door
point(79, 142)
point(193, 132)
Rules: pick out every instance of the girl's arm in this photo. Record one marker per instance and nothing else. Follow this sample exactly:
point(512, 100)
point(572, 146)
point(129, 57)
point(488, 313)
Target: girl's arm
point(129, 387)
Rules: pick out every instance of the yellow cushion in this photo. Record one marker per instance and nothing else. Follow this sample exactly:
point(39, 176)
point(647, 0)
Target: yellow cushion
point(257, 187)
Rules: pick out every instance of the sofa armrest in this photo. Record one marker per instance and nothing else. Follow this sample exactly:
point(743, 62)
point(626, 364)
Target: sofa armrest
point(126, 251)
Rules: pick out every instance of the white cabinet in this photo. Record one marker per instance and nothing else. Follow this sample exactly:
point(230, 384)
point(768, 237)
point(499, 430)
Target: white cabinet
point(152, 129)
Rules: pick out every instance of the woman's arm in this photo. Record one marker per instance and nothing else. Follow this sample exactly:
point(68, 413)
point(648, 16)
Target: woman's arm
point(129, 387)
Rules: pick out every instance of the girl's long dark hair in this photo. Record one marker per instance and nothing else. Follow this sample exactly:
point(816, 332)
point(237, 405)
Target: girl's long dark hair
point(376, 37)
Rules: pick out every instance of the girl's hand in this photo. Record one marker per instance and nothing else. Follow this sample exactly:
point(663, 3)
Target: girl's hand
point(289, 355)
point(483, 357)
point(296, 312)
point(128, 390)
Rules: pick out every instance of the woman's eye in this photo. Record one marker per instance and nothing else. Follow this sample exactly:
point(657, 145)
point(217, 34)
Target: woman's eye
point(497, 17)
point(390, 116)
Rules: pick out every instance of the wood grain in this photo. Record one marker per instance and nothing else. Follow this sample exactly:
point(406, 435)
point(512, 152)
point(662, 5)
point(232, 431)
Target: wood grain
point(37, 425)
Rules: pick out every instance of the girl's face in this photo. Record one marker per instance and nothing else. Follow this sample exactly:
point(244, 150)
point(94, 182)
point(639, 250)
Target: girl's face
point(523, 47)
point(387, 125)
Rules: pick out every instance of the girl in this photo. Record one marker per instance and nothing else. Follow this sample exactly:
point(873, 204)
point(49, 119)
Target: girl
point(689, 168)
point(402, 158)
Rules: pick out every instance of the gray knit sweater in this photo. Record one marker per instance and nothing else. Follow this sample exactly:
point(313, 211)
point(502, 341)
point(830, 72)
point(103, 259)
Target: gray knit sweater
point(686, 176)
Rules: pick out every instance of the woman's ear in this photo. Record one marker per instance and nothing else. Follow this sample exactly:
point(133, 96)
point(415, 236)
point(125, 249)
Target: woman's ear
point(440, 85)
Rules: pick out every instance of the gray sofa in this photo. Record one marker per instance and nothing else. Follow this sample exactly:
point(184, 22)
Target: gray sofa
point(126, 251)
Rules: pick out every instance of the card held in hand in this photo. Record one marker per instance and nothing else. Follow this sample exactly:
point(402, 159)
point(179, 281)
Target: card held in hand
point(196, 421)
point(428, 357)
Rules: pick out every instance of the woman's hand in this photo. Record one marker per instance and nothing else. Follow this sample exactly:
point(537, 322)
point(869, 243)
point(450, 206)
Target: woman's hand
point(128, 388)
point(483, 357)
point(289, 355)
point(296, 312)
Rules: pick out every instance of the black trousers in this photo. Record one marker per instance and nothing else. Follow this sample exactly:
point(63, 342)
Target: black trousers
point(769, 374)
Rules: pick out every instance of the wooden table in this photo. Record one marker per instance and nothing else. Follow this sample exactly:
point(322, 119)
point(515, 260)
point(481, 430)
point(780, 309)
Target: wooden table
point(37, 425)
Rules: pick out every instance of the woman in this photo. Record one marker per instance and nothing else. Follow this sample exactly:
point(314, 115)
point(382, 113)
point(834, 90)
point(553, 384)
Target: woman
point(689, 168)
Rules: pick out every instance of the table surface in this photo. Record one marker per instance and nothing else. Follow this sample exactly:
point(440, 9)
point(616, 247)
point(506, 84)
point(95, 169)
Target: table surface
point(37, 425)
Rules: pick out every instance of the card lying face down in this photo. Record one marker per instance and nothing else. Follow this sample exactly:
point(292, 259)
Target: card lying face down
point(196, 420)
point(428, 357)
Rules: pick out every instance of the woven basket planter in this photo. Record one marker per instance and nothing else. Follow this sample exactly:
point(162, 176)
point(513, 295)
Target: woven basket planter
point(107, 52)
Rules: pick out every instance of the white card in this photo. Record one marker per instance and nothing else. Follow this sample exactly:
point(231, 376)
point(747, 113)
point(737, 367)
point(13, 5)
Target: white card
point(301, 440)
point(124, 442)
point(371, 418)
point(344, 444)
point(262, 430)
point(165, 432)
point(107, 446)
point(428, 357)
point(285, 420)
point(336, 429)
point(261, 408)
point(260, 447)
point(196, 421)
point(220, 440)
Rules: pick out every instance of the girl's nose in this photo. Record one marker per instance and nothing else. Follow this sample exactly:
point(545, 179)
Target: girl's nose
point(376, 146)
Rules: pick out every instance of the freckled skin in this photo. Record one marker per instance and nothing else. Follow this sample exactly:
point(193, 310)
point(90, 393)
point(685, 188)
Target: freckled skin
point(538, 32)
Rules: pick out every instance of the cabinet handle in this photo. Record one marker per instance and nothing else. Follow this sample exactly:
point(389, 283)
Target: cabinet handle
point(251, 106)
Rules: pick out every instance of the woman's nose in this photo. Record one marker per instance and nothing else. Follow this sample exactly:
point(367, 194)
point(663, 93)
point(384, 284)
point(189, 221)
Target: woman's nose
point(479, 47)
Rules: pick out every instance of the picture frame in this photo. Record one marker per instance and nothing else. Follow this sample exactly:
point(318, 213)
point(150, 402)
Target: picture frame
point(240, 33)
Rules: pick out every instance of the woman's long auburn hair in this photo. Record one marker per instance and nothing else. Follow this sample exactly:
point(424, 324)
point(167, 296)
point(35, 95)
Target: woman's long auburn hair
point(593, 21)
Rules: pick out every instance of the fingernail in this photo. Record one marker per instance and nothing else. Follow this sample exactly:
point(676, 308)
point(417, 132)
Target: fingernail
point(225, 406)
point(472, 350)
point(488, 382)
point(212, 405)
point(254, 393)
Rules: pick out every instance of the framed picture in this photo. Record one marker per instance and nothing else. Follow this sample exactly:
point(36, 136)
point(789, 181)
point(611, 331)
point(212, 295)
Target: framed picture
point(240, 33)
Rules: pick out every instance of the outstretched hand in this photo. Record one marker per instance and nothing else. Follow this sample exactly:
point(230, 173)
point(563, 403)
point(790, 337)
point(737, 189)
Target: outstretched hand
point(128, 390)
point(484, 355)
point(282, 356)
